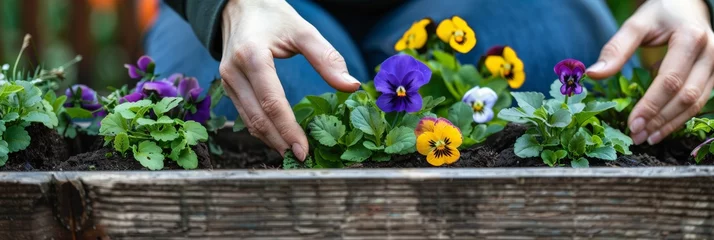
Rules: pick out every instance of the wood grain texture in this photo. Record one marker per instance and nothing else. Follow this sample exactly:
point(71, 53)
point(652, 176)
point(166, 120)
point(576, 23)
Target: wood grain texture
point(600, 203)
point(26, 211)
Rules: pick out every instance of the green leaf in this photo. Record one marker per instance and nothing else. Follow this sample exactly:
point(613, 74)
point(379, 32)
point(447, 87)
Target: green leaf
point(528, 101)
point(513, 115)
point(549, 157)
point(381, 157)
point(238, 124)
point(621, 147)
point(165, 133)
point(11, 117)
point(187, 159)
point(504, 100)
point(642, 77)
point(527, 146)
point(613, 133)
point(624, 85)
point(560, 119)
point(429, 103)
point(604, 153)
point(446, 59)
point(356, 153)
point(176, 147)
point(369, 120)
point(10, 89)
point(17, 138)
point(302, 114)
point(166, 104)
point(353, 137)
point(121, 142)
point(580, 163)
point(145, 121)
point(410, 121)
point(149, 155)
point(38, 117)
point(358, 98)
point(30, 96)
point(576, 146)
point(596, 140)
point(327, 159)
point(399, 140)
point(194, 132)
point(112, 125)
point(371, 146)
point(132, 106)
point(621, 103)
point(327, 129)
point(498, 85)
point(321, 105)
point(290, 162)
point(461, 115)
point(4, 151)
point(593, 108)
point(76, 112)
point(480, 133)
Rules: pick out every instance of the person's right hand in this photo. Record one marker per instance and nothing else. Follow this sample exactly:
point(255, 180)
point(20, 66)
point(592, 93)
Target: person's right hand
point(254, 33)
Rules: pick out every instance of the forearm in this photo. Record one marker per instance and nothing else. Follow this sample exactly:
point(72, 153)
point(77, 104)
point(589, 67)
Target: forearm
point(204, 16)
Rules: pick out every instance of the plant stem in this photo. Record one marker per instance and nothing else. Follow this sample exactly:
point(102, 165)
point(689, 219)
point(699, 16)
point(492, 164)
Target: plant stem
point(566, 99)
point(397, 118)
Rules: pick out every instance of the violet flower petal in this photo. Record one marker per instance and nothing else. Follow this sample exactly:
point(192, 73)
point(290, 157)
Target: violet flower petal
point(384, 82)
point(133, 97)
point(483, 116)
point(143, 62)
point(203, 111)
point(194, 94)
point(187, 85)
point(569, 64)
point(133, 71)
point(162, 88)
point(413, 102)
point(564, 89)
point(387, 102)
point(578, 88)
point(495, 51)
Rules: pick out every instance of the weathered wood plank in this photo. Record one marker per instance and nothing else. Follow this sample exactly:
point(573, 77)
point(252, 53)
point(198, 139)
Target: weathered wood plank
point(25, 209)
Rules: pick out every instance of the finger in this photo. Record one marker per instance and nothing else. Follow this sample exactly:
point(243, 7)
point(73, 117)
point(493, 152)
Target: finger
point(254, 117)
point(688, 96)
point(679, 120)
point(234, 98)
point(683, 50)
point(260, 70)
point(618, 50)
point(326, 60)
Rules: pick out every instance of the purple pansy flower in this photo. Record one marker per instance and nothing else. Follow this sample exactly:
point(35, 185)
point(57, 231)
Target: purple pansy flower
point(570, 71)
point(399, 79)
point(481, 100)
point(144, 66)
point(191, 92)
point(87, 100)
point(163, 88)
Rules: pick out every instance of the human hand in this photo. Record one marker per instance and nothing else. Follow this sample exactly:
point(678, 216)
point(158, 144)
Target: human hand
point(254, 33)
point(684, 81)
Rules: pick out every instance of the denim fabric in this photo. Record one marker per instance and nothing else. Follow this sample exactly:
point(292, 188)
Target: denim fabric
point(542, 32)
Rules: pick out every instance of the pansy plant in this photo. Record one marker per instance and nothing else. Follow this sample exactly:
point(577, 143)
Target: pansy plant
point(565, 127)
point(345, 129)
point(22, 104)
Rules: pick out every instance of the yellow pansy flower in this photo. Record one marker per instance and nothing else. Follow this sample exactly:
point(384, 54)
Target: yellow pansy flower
point(457, 33)
point(439, 141)
point(417, 35)
point(502, 61)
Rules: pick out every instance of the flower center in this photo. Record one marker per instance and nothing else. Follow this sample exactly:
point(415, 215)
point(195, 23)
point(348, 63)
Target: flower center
point(459, 36)
point(441, 147)
point(506, 70)
point(571, 80)
point(478, 106)
point(401, 91)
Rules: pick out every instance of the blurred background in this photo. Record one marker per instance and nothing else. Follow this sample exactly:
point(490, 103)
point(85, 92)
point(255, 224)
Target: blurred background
point(108, 33)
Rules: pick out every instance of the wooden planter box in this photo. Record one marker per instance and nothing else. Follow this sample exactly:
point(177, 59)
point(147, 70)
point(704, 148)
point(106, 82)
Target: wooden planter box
point(516, 203)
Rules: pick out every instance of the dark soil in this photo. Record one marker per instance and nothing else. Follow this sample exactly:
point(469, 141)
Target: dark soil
point(498, 152)
point(106, 159)
point(241, 150)
point(47, 149)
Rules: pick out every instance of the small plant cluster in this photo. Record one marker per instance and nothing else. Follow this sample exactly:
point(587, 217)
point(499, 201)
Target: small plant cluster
point(565, 127)
point(23, 103)
point(344, 129)
point(624, 92)
point(701, 128)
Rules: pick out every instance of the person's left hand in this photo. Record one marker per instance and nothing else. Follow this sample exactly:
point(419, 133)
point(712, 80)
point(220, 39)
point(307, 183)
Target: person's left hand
point(685, 79)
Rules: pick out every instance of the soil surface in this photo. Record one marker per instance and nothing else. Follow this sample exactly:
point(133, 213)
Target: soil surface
point(106, 159)
point(47, 149)
point(242, 151)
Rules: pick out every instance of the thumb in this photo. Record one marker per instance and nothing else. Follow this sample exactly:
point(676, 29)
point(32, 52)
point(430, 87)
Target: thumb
point(617, 51)
point(326, 61)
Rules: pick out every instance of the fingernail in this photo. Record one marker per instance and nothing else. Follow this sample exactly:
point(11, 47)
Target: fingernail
point(639, 138)
point(596, 67)
point(654, 138)
point(349, 78)
point(299, 152)
point(637, 125)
